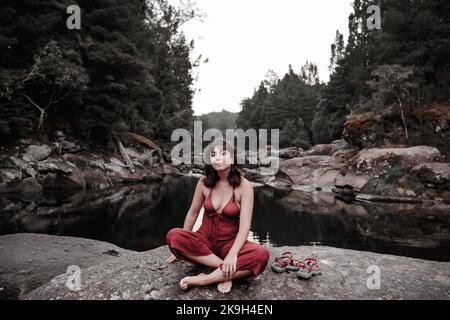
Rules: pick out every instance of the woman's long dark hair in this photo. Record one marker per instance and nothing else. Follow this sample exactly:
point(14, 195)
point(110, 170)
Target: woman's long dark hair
point(211, 175)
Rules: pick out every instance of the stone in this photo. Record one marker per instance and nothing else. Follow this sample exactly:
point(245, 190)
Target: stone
point(114, 169)
point(69, 147)
point(289, 153)
point(356, 181)
point(315, 171)
point(259, 173)
point(10, 175)
point(324, 149)
point(345, 274)
point(49, 259)
point(61, 174)
point(118, 162)
point(411, 155)
point(25, 186)
point(36, 153)
point(435, 174)
point(19, 163)
point(282, 187)
point(97, 180)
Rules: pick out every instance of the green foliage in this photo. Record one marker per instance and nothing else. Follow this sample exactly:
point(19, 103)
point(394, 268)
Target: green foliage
point(294, 134)
point(277, 102)
point(404, 64)
point(128, 68)
point(218, 120)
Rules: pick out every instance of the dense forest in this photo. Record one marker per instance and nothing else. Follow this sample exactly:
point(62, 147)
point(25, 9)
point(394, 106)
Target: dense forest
point(222, 120)
point(126, 69)
point(382, 73)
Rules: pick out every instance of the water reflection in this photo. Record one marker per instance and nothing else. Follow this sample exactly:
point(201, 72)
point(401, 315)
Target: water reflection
point(138, 217)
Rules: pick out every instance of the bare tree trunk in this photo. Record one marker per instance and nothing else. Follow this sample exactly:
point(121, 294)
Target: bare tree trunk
point(41, 119)
point(41, 110)
point(403, 118)
point(404, 124)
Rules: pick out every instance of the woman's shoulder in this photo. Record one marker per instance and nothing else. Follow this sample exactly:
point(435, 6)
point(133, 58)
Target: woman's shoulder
point(201, 182)
point(245, 184)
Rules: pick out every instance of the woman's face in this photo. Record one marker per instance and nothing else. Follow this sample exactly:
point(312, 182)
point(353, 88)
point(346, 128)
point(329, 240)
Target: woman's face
point(220, 158)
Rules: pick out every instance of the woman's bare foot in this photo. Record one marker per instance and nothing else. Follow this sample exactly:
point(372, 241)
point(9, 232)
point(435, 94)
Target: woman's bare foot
point(188, 282)
point(225, 287)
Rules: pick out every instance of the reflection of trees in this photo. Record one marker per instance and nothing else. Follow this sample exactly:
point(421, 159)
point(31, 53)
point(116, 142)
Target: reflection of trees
point(139, 216)
point(136, 217)
point(402, 229)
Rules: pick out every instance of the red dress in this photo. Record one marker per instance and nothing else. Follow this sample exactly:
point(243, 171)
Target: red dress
point(216, 236)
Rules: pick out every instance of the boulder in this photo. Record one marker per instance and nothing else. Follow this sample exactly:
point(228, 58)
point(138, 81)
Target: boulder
point(269, 162)
point(128, 178)
point(117, 162)
point(316, 171)
point(344, 155)
point(411, 156)
point(36, 153)
point(259, 173)
point(137, 157)
point(146, 276)
point(30, 260)
point(434, 175)
point(166, 169)
point(18, 163)
point(60, 174)
point(114, 169)
point(25, 186)
point(97, 180)
point(23, 165)
point(10, 175)
point(324, 149)
point(355, 181)
point(69, 147)
point(152, 177)
point(281, 187)
point(289, 153)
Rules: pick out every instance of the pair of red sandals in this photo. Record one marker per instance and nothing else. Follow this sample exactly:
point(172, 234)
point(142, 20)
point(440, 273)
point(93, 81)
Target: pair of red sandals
point(304, 268)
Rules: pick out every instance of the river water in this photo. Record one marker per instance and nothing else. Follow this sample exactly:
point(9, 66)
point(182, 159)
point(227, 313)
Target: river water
point(137, 217)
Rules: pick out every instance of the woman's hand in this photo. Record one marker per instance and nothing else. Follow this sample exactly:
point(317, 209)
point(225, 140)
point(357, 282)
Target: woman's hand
point(171, 259)
point(229, 265)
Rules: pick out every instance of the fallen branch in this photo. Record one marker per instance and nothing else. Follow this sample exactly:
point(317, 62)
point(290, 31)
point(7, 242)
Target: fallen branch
point(125, 156)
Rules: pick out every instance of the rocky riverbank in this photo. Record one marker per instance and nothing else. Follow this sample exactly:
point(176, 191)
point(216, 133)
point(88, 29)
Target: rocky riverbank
point(33, 266)
point(31, 166)
point(391, 173)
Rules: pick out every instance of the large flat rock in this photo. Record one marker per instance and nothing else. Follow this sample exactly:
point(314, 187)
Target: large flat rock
point(29, 260)
point(146, 275)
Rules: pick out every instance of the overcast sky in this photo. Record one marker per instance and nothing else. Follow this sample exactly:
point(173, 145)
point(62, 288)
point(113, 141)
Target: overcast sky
point(243, 39)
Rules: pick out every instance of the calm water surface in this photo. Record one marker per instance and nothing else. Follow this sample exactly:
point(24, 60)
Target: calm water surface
point(138, 217)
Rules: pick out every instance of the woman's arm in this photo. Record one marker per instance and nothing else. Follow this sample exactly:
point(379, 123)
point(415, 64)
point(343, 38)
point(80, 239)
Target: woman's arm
point(230, 261)
point(245, 222)
point(196, 204)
